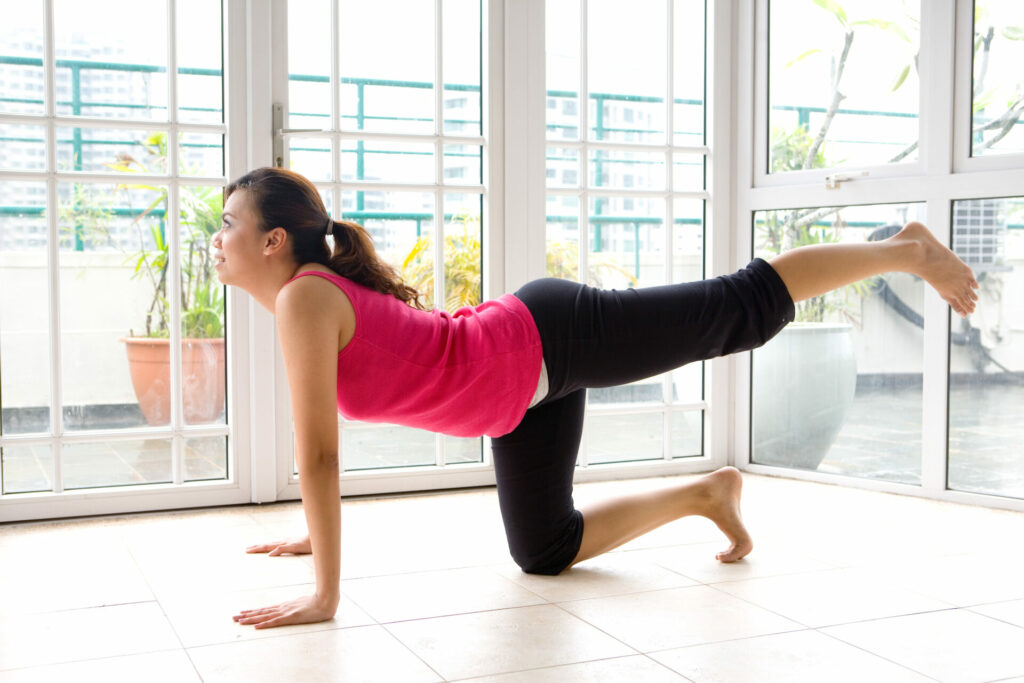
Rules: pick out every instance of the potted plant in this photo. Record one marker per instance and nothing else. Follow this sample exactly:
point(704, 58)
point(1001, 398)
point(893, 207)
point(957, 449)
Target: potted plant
point(202, 301)
point(803, 380)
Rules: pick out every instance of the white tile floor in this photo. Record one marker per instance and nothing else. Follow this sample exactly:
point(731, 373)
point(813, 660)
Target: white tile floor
point(843, 585)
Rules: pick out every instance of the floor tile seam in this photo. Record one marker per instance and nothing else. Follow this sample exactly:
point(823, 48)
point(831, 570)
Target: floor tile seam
point(459, 614)
point(91, 659)
point(558, 666)
point(647, 656)
point(696, 584)
point(949, 608)
point(719, 641)
point(408, 649)
point(873, 654)
point(83, 608)
point(989, 616)
point(633, 650)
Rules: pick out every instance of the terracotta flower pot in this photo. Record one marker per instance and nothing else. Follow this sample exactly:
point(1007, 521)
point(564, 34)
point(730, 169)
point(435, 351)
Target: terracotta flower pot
point(202, 370)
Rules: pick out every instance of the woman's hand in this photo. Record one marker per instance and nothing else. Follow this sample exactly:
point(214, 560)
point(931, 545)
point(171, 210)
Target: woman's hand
point(309, 609)
point(299, 546)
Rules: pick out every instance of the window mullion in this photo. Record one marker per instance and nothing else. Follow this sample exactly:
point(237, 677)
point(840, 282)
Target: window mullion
point(53, 250)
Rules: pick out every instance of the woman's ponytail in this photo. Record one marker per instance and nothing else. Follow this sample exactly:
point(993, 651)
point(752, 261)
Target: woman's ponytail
point(283, 198)
point(355, 258)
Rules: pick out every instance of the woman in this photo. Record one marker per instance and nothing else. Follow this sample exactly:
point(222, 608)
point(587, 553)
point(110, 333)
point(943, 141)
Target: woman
point(516, 369)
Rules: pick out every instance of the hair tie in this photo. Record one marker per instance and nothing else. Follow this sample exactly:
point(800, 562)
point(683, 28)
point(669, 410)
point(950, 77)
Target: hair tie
point(329, 226)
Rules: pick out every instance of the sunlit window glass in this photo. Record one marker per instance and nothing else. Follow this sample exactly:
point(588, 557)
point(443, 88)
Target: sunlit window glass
point(998, 86)
point(843, 83)
point(986, 351)
point(840, 389)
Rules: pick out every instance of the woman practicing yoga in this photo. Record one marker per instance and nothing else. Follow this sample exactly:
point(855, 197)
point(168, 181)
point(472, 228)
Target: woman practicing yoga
point(516, 369)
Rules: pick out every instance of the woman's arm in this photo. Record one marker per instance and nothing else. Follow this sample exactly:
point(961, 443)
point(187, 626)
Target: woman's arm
point(309, 342)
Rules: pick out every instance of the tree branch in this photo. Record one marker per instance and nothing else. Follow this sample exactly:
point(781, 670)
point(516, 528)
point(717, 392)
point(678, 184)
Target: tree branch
point(837, 97)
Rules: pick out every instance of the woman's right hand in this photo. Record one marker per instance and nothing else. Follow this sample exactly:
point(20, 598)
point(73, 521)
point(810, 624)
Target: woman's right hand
point(299, 546)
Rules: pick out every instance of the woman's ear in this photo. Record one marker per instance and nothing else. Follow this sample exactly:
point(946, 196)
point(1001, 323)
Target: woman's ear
point(274, 240)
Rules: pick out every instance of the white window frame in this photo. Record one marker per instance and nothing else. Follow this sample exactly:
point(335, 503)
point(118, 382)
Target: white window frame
point(235, 488)
point(943, 175)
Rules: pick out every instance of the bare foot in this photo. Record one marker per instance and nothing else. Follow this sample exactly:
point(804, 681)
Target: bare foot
point(725, 487)
point(941, 268)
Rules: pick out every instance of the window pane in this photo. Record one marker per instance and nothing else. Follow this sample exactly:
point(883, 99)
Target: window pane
point(627, 242)
point(463, 285)
point(114, 300)
point(563, 237)
point(848, 78)
point(110, 70)
point(402, 227)
point(840, 389)
point(629, 170)
point(688, 172)
point(311, 157)
point(627, 87)
point(366, 446)
point(461, 62)
point(998, 84)
point(200, 63)
point(387, 89)
point(309, 64)
point(986, 394)
point(26, 469)
point(458, 450)
point(463, 165)
point(563, 167)
point(562, 69)
point(687, 433)
point(202, 307)
point(206, 458)
point(22, 148)
point(390, 162)
point(24, 302)
point(625, 438)
point(105, 150)
point(116, 463)
point(688, 72)
point(687, 266)
point(21, 57)
point(201, 154)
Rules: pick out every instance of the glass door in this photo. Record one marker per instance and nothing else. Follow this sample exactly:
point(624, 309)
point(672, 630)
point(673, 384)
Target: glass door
point(113, 380)
point(383, 111)
point(627, 191)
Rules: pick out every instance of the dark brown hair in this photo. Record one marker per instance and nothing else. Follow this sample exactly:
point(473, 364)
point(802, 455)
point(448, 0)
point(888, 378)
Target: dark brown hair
point(285, 199)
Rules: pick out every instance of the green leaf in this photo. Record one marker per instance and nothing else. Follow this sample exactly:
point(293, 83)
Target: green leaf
point(901, 78)
point(801, 57)
point(834, 8)
point(883, 25)
point(1013, 33)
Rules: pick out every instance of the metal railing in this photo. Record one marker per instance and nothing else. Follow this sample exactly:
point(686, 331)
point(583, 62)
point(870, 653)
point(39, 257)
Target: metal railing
point(363, 87)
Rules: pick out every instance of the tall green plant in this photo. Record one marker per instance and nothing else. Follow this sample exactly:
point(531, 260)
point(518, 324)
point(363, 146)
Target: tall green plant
point(202, 298)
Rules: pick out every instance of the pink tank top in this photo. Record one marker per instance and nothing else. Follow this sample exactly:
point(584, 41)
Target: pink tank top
point(468, 373)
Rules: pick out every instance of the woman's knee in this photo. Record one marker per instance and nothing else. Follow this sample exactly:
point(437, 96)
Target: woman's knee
point(547, 551)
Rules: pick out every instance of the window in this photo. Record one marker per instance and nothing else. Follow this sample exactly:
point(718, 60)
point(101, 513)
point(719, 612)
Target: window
point(620, 229)
point(105, 264)
point(402, 154)
point(917, 398)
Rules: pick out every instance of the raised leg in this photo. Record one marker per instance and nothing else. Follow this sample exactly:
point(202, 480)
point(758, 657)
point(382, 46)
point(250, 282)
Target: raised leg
point(611, 523)
point(813, 270)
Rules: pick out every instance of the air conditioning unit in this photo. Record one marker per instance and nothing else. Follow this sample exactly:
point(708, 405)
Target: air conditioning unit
point(979, 234)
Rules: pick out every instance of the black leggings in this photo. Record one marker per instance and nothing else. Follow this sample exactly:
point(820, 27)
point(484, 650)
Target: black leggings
point(599, 338)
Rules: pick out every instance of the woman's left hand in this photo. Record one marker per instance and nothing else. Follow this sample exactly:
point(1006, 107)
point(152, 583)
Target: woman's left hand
point(309, 609)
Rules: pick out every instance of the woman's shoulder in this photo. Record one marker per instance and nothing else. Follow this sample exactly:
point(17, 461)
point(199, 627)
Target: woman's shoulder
point(318, 299)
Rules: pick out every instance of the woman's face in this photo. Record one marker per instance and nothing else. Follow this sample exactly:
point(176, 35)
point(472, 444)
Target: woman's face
point(238, 244)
